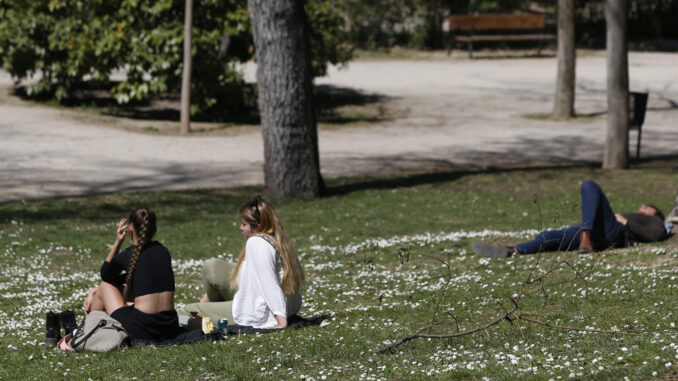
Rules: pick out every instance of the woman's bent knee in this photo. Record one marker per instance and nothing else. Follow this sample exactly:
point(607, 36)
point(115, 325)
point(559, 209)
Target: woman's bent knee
point(210, 269)
point(110, 296)
point(216, 271)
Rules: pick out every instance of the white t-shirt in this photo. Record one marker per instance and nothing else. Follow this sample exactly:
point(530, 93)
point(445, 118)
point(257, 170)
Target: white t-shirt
point(259, 297)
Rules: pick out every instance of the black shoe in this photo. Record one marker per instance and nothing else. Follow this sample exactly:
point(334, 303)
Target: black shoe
point(53, 328)
point(68, 321)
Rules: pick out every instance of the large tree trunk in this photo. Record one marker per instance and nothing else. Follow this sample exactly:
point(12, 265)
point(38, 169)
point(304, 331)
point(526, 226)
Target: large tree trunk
point(563, 107)
point(617, 142)
point(185, 124)
point(285, 82)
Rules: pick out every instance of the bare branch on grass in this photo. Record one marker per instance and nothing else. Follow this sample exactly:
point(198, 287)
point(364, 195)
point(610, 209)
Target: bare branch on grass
point(420, 332)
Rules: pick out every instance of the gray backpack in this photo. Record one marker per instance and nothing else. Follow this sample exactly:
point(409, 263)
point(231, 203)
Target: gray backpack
point(99, 333)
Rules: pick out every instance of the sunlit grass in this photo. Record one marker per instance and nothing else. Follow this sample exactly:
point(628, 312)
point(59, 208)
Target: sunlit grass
point(378, 253)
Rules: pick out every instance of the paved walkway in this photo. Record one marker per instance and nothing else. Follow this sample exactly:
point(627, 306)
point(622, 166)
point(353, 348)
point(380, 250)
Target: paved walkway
point(458, 112)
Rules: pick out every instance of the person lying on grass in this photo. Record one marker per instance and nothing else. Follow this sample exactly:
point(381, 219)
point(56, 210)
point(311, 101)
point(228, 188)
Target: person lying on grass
point(142, 299)
point(600, 229)
point(263, 288)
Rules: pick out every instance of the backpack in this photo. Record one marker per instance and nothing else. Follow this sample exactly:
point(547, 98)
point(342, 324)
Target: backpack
point(98, 333)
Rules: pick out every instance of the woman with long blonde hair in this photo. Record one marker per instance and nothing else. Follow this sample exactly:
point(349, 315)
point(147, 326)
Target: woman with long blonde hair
point(263, 288)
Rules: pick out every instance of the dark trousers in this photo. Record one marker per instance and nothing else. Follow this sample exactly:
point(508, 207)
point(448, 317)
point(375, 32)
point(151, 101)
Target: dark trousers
point(597, 217)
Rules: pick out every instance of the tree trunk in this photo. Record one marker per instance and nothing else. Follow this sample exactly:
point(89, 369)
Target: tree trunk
point(563, 107)
point(185, 124)
point(285, 84)
point(617, 142)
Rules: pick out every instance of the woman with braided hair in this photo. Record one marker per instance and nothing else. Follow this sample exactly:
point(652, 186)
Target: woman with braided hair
point(141, 299)
point(263, 289)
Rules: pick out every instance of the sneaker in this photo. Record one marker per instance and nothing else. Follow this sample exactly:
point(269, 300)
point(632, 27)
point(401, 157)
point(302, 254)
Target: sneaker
point(491, 251)
point(68, 323)
point(53, 325)
point(673, 214)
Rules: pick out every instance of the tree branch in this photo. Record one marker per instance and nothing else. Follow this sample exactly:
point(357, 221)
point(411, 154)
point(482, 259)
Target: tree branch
point(420, 334)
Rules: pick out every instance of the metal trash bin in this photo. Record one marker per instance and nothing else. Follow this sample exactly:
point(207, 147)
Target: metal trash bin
point(637, 108)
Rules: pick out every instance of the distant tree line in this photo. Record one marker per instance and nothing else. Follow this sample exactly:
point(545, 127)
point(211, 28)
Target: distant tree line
point(417, 24)
point(648, 21)
point(66, 43)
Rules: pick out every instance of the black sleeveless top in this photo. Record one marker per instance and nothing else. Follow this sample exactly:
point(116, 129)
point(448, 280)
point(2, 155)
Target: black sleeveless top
point(153, 272)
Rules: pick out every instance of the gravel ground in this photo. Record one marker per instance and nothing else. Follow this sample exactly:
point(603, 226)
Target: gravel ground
point(456, 112)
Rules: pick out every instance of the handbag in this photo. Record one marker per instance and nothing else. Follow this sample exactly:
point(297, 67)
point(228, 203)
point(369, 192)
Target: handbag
point(99, 333)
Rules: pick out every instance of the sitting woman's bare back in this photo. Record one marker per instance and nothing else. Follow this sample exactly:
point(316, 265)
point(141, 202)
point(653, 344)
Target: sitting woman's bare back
point(143, 298)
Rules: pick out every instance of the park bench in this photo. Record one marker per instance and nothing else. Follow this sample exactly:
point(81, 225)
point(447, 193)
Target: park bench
point(497, 27)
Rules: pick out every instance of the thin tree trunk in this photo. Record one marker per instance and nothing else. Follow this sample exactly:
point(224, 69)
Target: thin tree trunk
point(617, 142)
point(563, 107)
point(285, 84)
point(185, 124)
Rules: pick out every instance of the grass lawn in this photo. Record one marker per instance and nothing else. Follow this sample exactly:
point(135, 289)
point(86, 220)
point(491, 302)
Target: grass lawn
point(383, 257)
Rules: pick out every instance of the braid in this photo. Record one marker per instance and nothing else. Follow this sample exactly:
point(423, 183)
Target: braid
point(142, 239)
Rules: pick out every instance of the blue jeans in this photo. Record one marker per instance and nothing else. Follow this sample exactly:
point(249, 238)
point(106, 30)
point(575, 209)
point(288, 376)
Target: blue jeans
point(597, 217)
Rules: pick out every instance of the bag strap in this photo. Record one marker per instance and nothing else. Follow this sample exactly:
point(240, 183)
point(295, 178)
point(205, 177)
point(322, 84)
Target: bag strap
point(83, 340)
point(270, 240)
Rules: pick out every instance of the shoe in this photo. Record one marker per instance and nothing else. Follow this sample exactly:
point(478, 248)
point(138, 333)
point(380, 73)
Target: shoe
point(68, 323)
point(492, 251)
point(673, 214)
point(585, 242)
point(53, 325)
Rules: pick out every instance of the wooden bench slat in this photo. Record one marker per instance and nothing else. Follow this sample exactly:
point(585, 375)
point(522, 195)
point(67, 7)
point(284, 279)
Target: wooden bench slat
point(496, 22)
point(515, 37)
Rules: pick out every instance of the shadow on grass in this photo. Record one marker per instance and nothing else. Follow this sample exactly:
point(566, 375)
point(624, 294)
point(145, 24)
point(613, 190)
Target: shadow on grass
point(107, 207)
point(345, 186)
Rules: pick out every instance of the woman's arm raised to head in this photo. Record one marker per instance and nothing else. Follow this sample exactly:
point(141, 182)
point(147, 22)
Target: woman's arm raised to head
point(109, 271)
point(121, 232)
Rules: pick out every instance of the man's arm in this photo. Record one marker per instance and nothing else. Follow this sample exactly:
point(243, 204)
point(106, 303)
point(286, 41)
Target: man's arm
point(644, 228)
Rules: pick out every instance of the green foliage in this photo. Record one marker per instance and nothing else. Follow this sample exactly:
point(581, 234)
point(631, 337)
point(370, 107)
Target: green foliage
point(328, 40)
point(65, 42)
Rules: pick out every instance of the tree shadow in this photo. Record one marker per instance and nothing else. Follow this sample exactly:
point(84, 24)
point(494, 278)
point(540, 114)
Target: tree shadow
point(525, 154)
point(671, 104)
point(417, 179)
point(174, 186)
point(342, 105)
point(164, 107)
point(99, 207)
point(333, 104)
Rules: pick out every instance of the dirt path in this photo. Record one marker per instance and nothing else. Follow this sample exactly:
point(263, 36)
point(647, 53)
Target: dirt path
point(459, 112)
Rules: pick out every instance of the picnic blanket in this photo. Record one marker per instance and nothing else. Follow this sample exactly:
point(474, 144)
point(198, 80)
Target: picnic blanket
point(197, 335)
